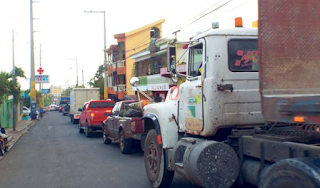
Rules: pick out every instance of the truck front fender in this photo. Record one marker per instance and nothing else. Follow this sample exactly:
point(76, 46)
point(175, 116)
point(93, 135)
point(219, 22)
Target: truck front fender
point(159, 117)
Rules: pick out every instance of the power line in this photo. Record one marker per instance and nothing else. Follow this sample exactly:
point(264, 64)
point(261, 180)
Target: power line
point(184, 23)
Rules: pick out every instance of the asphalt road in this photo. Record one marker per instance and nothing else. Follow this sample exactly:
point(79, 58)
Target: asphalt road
point(54, 155)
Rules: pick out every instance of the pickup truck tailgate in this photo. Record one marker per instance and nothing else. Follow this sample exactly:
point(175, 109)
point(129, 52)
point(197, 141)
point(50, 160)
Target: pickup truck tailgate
point(289, 54)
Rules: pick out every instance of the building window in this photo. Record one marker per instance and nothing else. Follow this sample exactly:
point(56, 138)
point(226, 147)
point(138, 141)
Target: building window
point(155, 32)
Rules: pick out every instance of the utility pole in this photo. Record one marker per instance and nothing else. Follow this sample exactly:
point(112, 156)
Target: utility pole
point(76, 69)
point(14, 109)
point(77, 72)
point(104, 52)
point(40, 84)
point(32, 77)
point(82, 78)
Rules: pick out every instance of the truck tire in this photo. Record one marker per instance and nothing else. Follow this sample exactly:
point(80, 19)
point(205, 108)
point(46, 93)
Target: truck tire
point(125, 144)
point(75, 121)
point(87, 132)
point(293, 173)
point(155, 162)
point(80, 129)
point(105, 138)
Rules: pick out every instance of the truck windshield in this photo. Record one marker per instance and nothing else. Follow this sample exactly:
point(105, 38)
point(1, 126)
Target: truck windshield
point(243, 55)
point(196, 59)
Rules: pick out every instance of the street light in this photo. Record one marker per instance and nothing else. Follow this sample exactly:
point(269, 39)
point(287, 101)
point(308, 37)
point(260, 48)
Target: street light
point(76, 68)
point(104, 49)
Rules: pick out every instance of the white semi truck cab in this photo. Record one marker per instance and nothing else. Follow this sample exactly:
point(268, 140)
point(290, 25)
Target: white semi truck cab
point(211, 130)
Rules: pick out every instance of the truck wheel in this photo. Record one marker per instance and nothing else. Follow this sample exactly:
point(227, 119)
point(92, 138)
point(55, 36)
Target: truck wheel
point(155, 162)
point(125, 144)
point(75, 121)
point(293, 173)
point(105, 138)
point(80, 129)
point(87, 132)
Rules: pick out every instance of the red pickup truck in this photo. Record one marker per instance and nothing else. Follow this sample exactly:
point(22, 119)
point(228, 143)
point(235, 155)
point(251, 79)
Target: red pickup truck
point(119, 126)
point(93, 114)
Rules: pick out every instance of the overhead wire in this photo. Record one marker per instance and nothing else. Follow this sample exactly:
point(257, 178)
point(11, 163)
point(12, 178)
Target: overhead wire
point(215, 19)
point(185, 23)
point(141, 43)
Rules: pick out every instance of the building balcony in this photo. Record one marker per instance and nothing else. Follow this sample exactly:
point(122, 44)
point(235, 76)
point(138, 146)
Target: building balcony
point(118, 90)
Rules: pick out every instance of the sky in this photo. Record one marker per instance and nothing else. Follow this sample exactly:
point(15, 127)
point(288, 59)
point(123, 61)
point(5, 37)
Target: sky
point(66, 33)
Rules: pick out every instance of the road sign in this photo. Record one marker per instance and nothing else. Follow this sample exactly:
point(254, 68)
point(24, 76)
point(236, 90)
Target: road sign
point(40, 71)
point(42, 78)
point(45, 91)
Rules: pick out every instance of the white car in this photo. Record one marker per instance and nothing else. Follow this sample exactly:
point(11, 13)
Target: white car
point(26, 111)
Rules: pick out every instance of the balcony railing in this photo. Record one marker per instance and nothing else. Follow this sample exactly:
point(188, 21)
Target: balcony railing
point(120, 63)
point(121, 87)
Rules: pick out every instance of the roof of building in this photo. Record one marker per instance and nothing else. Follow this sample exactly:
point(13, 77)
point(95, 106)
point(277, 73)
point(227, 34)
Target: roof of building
point(119, 35)
point(144, 27)
point(113, 46)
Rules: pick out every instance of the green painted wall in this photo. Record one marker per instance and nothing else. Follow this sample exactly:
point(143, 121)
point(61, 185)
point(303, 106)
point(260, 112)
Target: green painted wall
point(6, 113)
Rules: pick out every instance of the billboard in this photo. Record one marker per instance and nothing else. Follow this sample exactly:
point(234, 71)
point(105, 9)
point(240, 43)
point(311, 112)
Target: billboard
point(42, 78)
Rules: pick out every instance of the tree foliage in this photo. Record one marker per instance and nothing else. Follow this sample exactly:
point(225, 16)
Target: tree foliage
point(66, 92)
point(98, 81)
point(9, 84)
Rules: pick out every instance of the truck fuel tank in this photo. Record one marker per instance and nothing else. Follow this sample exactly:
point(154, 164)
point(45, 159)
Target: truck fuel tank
point(205, 163)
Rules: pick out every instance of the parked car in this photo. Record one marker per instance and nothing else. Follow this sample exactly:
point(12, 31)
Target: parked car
point(123, 124)
point(93, 114)
point(26, 111)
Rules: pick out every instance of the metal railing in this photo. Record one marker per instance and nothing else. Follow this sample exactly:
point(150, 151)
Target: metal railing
point(121, 87)
point(120, 63)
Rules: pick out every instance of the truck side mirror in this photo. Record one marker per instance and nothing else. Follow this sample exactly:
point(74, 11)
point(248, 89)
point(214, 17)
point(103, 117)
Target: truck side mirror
point(171, 57)
point(79, 109)
point(174, 76)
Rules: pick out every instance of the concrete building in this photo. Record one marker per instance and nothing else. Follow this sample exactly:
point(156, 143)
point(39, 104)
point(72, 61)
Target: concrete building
point(120, 67)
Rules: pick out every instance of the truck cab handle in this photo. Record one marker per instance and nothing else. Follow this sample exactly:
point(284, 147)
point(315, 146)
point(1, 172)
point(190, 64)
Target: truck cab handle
point(224, 87)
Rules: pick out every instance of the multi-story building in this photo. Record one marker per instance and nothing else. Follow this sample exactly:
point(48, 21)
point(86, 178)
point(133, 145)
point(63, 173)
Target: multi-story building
point(120, 66)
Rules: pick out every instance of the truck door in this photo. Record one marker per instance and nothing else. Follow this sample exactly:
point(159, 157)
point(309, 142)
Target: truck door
point(190, 99)
point(111, 119)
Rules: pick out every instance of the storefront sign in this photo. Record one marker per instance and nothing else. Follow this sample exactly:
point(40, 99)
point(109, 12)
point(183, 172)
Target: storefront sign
point(158, 87)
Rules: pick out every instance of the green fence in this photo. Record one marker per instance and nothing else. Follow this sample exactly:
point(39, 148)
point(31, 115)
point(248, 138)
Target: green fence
point(6, 116)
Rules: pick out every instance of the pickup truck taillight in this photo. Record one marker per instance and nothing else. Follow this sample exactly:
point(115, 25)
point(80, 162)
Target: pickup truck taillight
point(92, 116)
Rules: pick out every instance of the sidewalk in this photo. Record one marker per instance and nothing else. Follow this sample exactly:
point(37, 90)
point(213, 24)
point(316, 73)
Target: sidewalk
point(21, 128)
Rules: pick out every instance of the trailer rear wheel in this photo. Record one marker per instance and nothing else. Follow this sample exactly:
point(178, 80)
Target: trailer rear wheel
point(293, 173)
point(155, 162)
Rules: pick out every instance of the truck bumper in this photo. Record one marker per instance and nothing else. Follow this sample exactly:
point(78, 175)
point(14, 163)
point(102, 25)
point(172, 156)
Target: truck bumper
point(95, 127)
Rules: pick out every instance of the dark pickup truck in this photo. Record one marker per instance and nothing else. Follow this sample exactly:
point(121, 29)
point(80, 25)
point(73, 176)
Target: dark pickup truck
point(123, 124)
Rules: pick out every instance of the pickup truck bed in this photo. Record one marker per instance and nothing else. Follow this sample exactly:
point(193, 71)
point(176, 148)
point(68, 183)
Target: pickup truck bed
point(118, 127)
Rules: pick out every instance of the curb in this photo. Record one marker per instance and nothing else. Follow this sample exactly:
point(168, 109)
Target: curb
point(10, 138)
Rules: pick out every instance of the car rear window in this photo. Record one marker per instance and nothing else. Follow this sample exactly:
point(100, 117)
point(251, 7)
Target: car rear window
point(243, 55)
point(101, 105)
